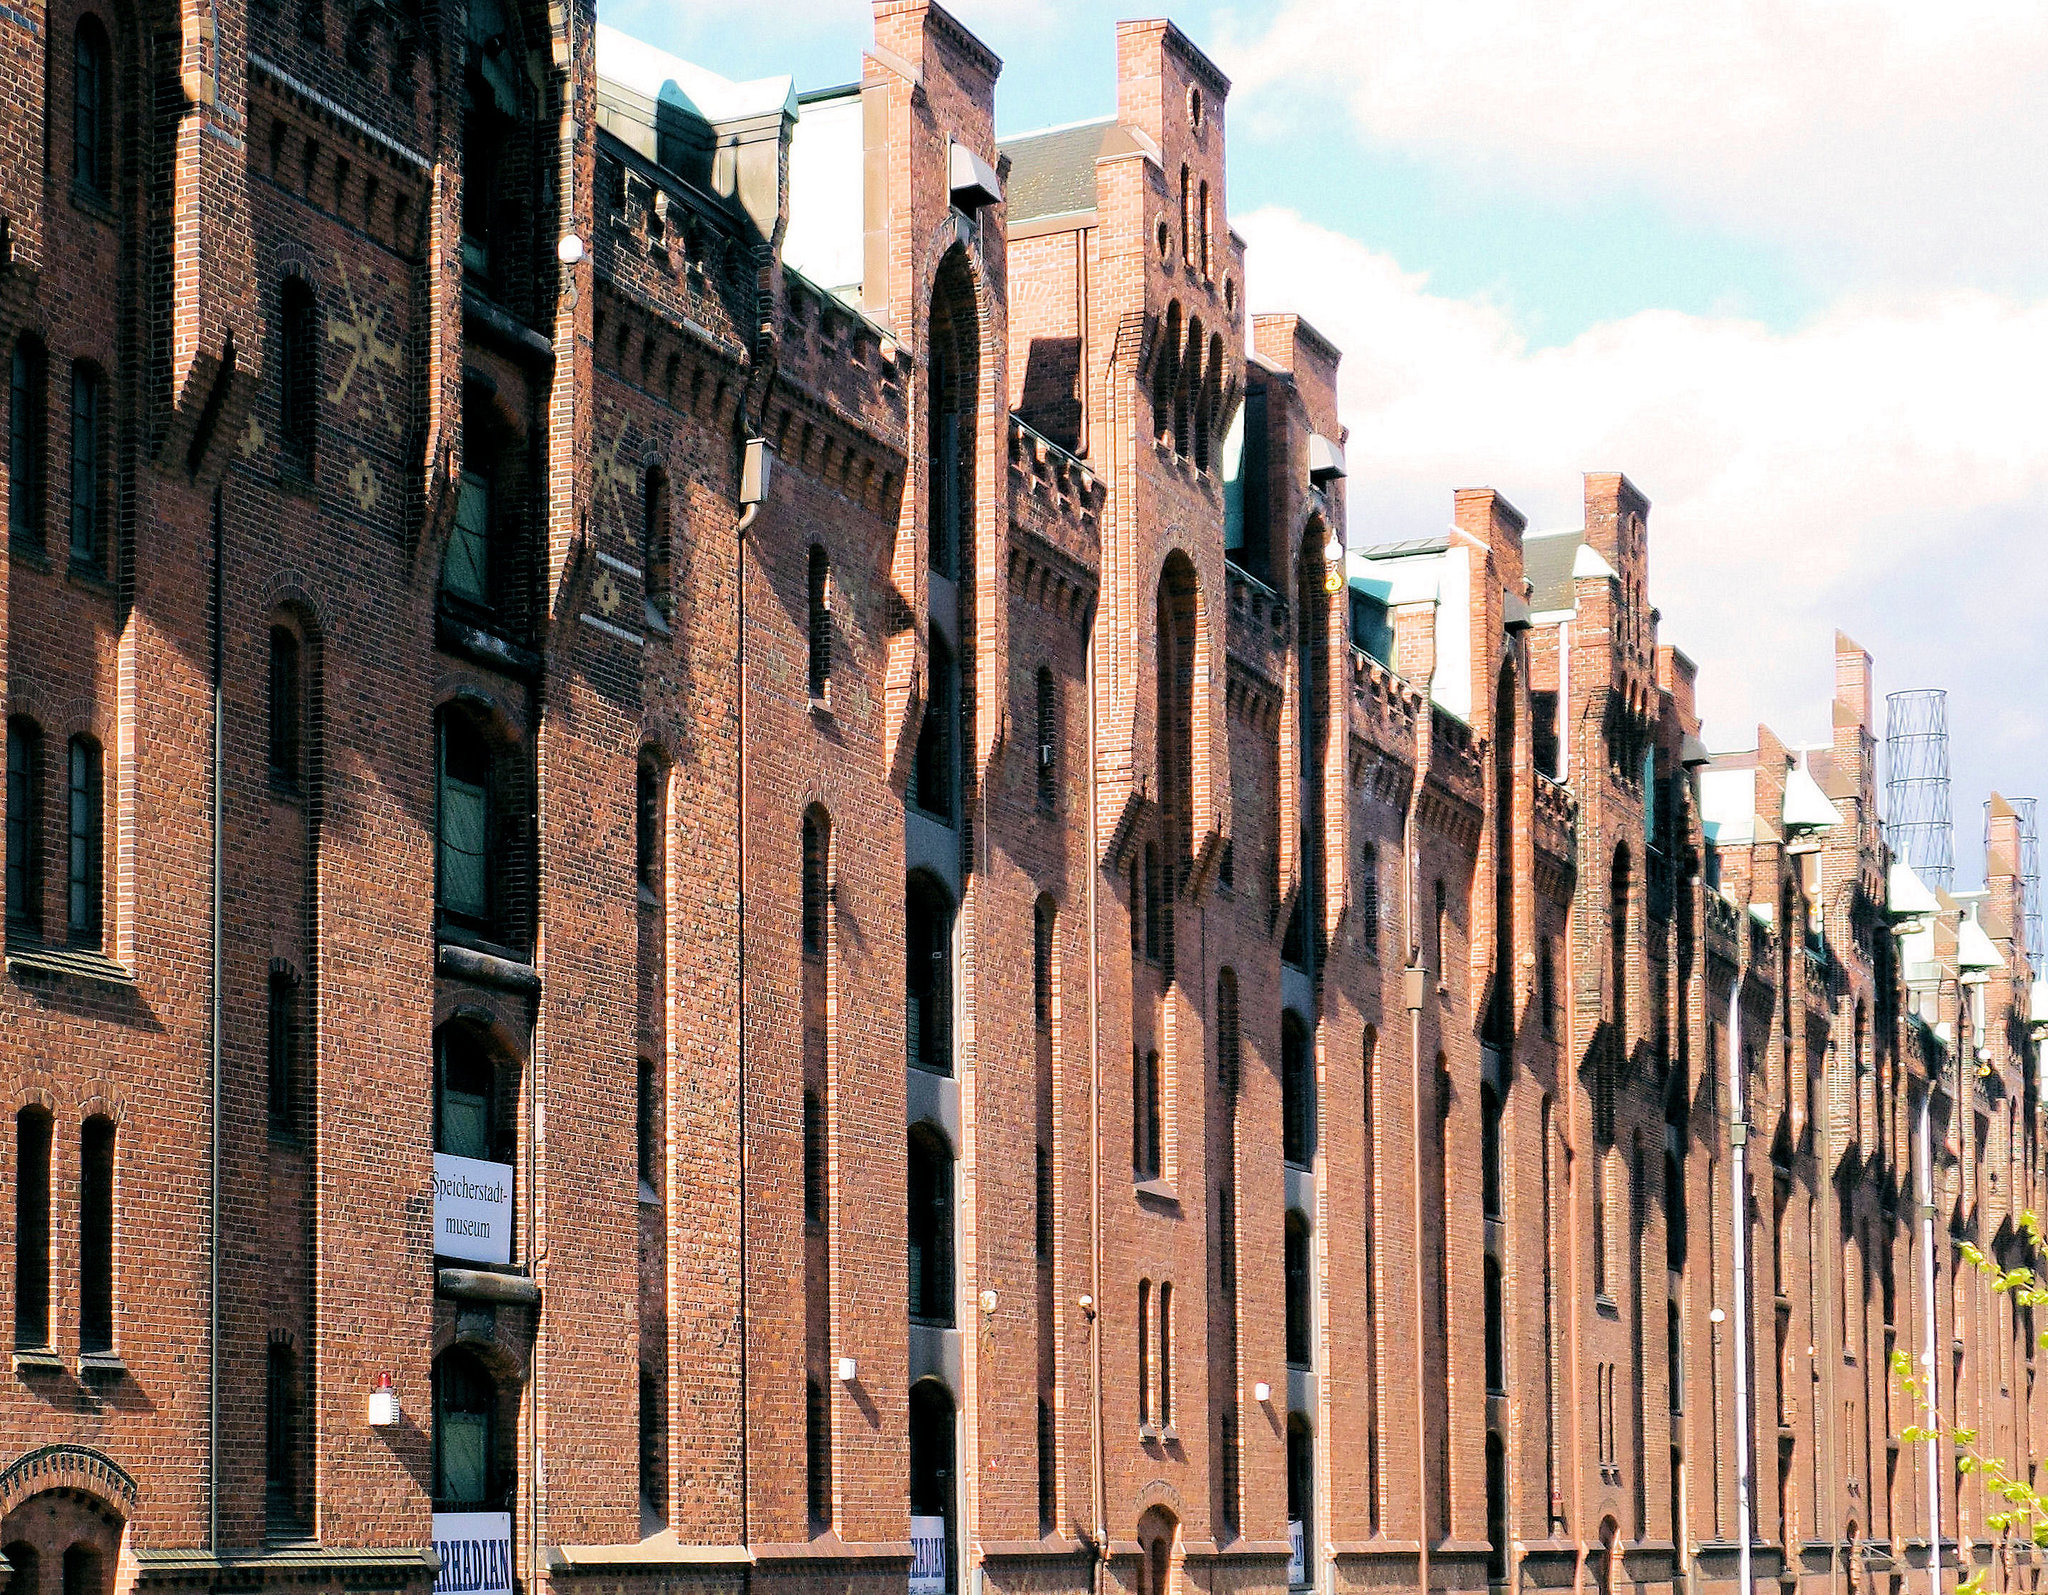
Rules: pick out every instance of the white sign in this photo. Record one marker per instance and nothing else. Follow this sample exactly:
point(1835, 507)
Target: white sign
point(472, 1209)
point(475, 1547)
point(1297, 1557)
point(927, 1556)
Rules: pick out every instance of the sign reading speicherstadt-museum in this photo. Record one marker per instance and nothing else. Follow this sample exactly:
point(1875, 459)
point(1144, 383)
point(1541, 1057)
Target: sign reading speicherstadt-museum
point(472, 1209)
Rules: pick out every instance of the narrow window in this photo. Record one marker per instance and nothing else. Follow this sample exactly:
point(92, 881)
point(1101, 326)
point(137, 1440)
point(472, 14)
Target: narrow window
point(85, 894)
point(1046, 1463)
point(647, 1143)
point(1206, 249)
point(814, 1159)
point(1297, 1092)
point(1300, 1337)
point(89, 120)
point(282, 1049)
point(647, 826)
point(1546, 976)
point(24, 827)
point(1187, 206)
point(465, 1105)
point(819, 586)
point(1042, 1206)
point(654, 539)
point(652, 1495)
point(85, 1571)
point(1144, 1353)
point(1226, 869)
point(817, 1453)
point(1369, 899)
point(465, 1434)
point(1227, 1037)
point(27, 423)
point(933, 769)
point(1048, 740)
point(1489, 1152)
point(1165, 1355)
point(280, 1438)
point(87, 508)
point(1300, 1500)
point(928, 976)
point(1137, 896)
point(284, 707)
point(1226, 1238)
point(1497, 1510)
point(1227, 1473)
point(1443, 936)
point(466, 568)
point(1042, 921)
point(1150, 1137)
point(815, 889)
point(933, 1486)
point(931, 1228)
point(1154, 940)
point(1674, 1355)
point(1496, 1332)
point(96, 1236)
point(32, 1228)
point(464, 874)
point(298, 373)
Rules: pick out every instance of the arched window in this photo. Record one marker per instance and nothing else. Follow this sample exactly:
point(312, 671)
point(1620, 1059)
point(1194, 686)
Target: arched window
point(97, 1235)
point(653, 1496)
point(298, 372)
point(282, 1051)
point(27, 429)
point(1145, 1355)
point(280, 1438)
point(818, 587)
point(928, 975)
point(1546, 984)
point(1148, 1129)
point(1048, 740)
point(817, 1453)
point(27, 1563)
point(465, 1434)
point(1044, 917)
point(1187, 218)
point(955, 377)
point(932, 1482)
point(1301, 1495)
point(464, 882)
point(492, 113)
point(88, 470)
point(1166, 374)
point(468, 567)
point(1300, 1321)
point(647, 826)
point(1185, 390)
point(24, 827)
point(1496, 1331)
point(1165, 1363)
point(931, 1228)
point(1297, 1092)
point(91, 119)
point(932, 774)
point(32, 1126)
point(816, 886)
point(284, 707)
point(654, 539)
point(84, 814)
point(1500, 1012)
point(1489, 1151)
point(85, 1570)
point(466, 1107)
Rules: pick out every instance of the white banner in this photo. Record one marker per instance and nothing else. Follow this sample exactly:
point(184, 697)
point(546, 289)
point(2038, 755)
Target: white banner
point(1297, 1559)
point(475, 1548)
point(472, 1209)
point(927, 1556)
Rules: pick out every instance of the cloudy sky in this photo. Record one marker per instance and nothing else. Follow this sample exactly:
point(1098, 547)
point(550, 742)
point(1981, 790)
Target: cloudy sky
point(1780, 260)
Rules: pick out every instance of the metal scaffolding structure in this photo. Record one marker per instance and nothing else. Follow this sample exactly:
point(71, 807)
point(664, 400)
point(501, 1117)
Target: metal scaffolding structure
point(1917, 823)
point(2030, 869)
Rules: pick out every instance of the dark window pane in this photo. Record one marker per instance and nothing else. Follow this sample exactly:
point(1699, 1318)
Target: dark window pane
point(32, 1227)
point(284, 705)
point(96, 1237)
point(27, 423)
point(84, 897)
point(24, 826)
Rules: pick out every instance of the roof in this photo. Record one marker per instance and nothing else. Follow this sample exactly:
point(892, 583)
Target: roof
point(1906, 895)
point(1402, 549)
point(1052, 173)
point(1547, 561)
point(1728, 805)
point(1806, 806)
point(669, 80)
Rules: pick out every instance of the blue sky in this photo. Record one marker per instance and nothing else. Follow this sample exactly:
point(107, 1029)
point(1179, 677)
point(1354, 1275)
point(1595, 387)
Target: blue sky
point(1779, 263)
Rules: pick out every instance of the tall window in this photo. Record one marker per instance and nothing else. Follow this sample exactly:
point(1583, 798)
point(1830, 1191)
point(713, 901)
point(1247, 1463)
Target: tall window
point(1187, 218)
point(646, 1135)
point(931, 1228)
point(96, 1236)
point(91, 129)
point(817, 1453)
point(88, 507)
point(1497, 1510)
point(1044, 917)
point(299, 372)
point(32, 1127)
point(652, 1494)
point(933, 1451)
point(84, 836)
point(647, 825)
point(1301, 1477)
point(1228, 1042)
point(24, 827)
point(1048, 739)
point(283, 1050)
point(1155, 941)
point(1297, 1092)
point(1618, 885)
point(466, 1098)
point(955, 374)
point(1496, 1331)
point(1165, 1362)
point(1228, 1469)
point(818, 596)
point(463, 874)
point(928, 975)
point(814, 1159)
point(280, 1437)
point(284, 706)
point(1546, 984)
point(1369, 899)
point(654, 538)
point(1300, 1332)
point(816, 881)
point(1144, 1353)
point(465, 1433)
point(466, 568)
point(1047, 1461)
point(1489, 1152)
point(932, 774)
point(1148, 1130)
point(27, 424)
point(1042, 1205)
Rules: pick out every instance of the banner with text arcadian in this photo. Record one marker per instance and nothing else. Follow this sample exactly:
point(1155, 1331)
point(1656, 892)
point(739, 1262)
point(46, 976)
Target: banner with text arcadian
point(927, 1556)
point(475, 1550)
point(472, 1209)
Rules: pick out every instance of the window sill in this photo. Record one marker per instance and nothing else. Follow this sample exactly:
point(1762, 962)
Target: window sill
point(84, 573)
point(1151, 1188)
point(647, 897)
point(486, 969)
point(37, 1360)
point(647, 1196)
point(83, 963)
point(101, 1365)
point(94, 204)
point(821, 710)
point(24, 552)
point(284, 789)
point(483, 646)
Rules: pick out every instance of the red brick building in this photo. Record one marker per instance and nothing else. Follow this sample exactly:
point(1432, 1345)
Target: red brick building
point(650, 719)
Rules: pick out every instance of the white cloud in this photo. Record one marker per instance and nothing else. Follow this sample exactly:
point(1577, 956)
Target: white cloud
point(1884, 469)
point(1895, 135)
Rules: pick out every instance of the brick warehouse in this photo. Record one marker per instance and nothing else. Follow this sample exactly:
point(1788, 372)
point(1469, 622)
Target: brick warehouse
point(493, 508)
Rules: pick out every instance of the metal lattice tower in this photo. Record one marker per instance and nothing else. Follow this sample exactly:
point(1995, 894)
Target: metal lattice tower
point(1916, 784)
point(2030, 869)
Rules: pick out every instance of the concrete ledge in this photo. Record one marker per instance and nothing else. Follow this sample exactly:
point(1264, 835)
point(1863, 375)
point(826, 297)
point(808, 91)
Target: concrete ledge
point(1052, 1545)
point(476, 1284)
point(663, 1550)
point(357, 1567)
point(831, 1548)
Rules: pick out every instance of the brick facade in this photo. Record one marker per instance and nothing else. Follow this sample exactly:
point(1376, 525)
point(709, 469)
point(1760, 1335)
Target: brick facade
point(430, 739)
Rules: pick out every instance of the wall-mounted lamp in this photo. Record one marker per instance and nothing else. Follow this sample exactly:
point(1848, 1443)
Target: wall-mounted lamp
point(569, 251)
point(383, 1403)
point(1262, 1392)
point(1717, 1316)
point(849, 1370)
